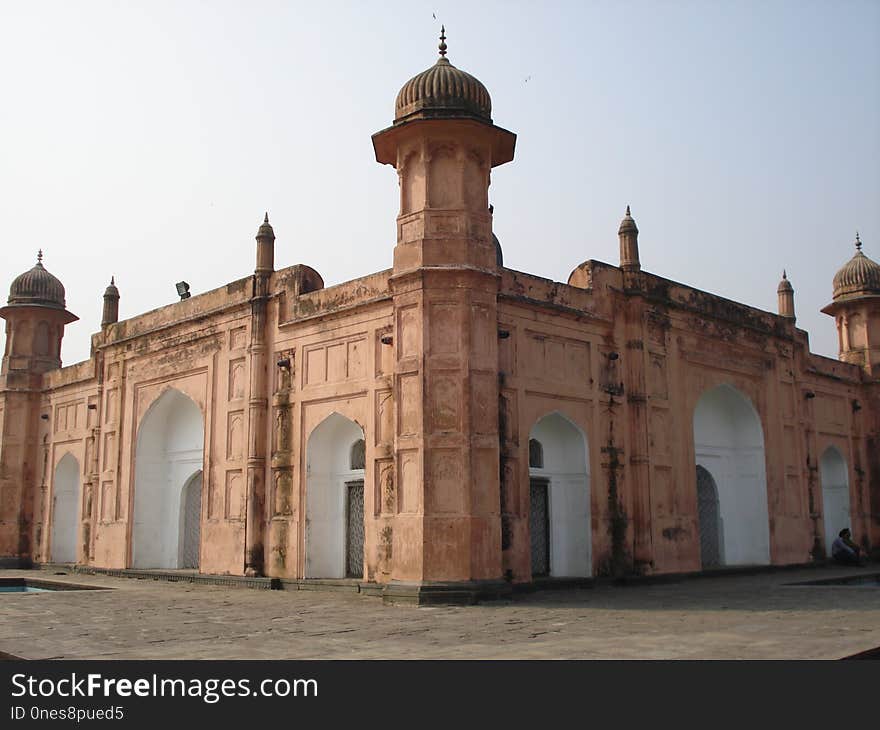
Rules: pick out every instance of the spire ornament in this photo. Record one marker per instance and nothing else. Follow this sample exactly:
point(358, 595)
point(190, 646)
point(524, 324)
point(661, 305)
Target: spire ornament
point(40, 255)
point(858, 242)
point(628, 233)
point(785, 292)
point(443, 41)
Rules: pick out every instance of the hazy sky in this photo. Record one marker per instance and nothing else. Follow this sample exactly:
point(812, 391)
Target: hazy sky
point(145, 139)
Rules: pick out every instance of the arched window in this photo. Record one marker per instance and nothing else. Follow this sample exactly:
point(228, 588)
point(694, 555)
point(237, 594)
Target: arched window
point(536, 454)
point(358, 454)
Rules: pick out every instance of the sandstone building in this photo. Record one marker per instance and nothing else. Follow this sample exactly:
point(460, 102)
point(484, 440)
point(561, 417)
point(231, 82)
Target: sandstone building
point(447, 426)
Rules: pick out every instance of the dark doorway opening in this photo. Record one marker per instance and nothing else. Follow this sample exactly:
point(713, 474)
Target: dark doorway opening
point(354, 531)
point(709, 516)
point(539, 525)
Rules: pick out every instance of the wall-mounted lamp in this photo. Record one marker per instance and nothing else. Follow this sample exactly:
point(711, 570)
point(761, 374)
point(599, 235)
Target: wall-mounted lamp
point(503, 334)
point(284, 362)
point(386, 339)
point(809, 395)
point(183, 290)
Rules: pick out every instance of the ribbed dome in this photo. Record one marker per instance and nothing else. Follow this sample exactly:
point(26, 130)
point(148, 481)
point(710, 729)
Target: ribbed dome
point(443, 91)
point(111, 291)
point(265, 230)
point(860, 275)
point(627, 224)
point(37, 287)
point(784, 285)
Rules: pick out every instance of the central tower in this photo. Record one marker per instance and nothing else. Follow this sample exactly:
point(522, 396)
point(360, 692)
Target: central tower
point(447, 531)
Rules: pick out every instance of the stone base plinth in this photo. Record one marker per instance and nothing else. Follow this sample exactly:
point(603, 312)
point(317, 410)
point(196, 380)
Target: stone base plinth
point(425, 593)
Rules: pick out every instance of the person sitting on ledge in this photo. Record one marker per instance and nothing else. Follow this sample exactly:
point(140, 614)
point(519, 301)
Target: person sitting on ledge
point(844, 550)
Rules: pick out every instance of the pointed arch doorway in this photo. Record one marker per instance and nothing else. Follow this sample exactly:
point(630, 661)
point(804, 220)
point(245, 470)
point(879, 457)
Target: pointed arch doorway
point(168, 484)
point(65, 510)
point(559, 499)
point(835, 494)
point(729, 448)
point(334, 537)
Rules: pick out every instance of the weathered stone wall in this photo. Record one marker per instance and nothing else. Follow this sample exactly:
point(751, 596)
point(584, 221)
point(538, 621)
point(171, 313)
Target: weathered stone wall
point(626, 365)
point(671, 344)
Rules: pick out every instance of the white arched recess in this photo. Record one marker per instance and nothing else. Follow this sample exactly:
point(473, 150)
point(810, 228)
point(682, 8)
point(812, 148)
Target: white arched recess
point(566, 472)
point(729, 444)
point(835, 494)
point(328, 476)
point(169, 456)
point(65, 510)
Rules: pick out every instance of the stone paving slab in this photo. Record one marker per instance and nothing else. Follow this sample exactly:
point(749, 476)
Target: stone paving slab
point(730, 617)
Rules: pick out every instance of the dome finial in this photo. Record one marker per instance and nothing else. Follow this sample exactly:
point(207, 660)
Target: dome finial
point(858, 242)
point(784, 276)
point(627, 210)
point(40, 256)
point(112, 280)
point(266, 217)
point(442, 41)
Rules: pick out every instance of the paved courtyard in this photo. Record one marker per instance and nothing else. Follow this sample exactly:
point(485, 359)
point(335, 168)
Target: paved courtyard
point(731, 617)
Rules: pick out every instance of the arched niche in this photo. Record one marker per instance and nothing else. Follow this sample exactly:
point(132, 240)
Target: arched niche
point(729, 445)
point(559, 499)
point(834, 477)
point(476, 181)
point(444, 178)
point(412, 183)
point(169, 455)
point(65, 510)
point(41, 338)
point(334, 500)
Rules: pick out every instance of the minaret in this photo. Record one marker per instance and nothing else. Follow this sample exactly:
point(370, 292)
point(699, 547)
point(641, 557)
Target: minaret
point(785, 292)
point(628, 234)
point(447, 529)
point(265, 247)
point(111, 304)
point(633, 367)
point(856, 311)
point(258, 401)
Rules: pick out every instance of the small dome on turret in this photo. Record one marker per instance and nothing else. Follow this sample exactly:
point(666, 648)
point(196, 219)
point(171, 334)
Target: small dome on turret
point(265, 230)
point(859, 276)
point(627, 224)
point(443, 91)
point(111, 290)
point(784, 285)
point(37, 287)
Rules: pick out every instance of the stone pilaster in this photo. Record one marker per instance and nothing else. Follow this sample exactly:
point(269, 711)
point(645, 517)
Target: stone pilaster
point(258, 403)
